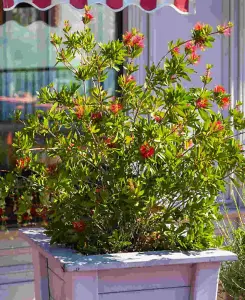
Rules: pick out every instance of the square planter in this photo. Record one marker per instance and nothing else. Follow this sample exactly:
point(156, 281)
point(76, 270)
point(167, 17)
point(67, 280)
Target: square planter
point(62, 274)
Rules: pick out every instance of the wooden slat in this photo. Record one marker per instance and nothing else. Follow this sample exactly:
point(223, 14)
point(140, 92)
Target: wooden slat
point(168, 294)
point(144, 278)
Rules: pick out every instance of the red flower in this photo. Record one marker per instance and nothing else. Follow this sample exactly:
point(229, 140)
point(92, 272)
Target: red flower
point(96, 116)
point(195, 58)
point(1, 211)
point(22, 162)
point(190, 47)
point(79, 226)
point(227, 31)
point(127, 38)
point(146, 151)
point(225, 102)
point(116, 107)
point(88, 17)
point(218, 126)
point(137, 40)
point(198, 26)
point(129, 78)
point(79, 111)
point(51, 168)
point(176, 50)
point(109, 143)
point(202, 103)
point(133, 40)
point(158, 119)
point(219, 89)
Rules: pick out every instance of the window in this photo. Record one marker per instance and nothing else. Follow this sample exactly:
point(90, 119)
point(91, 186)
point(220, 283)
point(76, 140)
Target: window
point(27, 59)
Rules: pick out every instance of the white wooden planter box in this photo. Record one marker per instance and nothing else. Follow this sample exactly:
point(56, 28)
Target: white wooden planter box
point(63, 274)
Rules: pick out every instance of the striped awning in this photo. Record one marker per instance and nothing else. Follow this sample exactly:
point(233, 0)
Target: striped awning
point(182, 6)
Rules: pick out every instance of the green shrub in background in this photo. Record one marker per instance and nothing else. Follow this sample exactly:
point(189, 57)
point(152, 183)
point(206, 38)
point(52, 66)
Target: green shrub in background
point(232, 274)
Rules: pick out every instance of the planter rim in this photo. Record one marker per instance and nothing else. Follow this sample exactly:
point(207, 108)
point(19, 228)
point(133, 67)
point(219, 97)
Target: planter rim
point(71, 261)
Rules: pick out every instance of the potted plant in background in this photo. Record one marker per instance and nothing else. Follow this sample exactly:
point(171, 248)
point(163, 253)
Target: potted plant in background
point(135, 172)
point(232, 228)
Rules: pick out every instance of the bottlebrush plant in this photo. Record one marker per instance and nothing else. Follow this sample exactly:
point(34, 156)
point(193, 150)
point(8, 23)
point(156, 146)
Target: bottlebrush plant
point(135, 171)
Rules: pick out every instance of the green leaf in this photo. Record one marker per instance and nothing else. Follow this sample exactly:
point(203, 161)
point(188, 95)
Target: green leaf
point(204, 115)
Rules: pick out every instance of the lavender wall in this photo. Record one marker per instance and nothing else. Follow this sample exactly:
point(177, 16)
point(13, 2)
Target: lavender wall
point(167, 24)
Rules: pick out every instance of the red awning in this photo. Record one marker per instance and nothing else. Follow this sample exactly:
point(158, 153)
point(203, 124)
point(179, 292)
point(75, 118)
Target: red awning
point(183, 6)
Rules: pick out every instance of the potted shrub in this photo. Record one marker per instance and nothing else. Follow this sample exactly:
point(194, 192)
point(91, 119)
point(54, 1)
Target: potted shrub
point(130, 200)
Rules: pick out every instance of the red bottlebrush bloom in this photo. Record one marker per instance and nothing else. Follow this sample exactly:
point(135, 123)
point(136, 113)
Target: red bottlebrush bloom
point(158, 119)
point(202, 103)
point(79, 226)
point(88, 17)
point(133, 40)
point(200, 46)
point(51, 168)
point(198, 26)
point(190, 47)
point(129, 78)
point(227, 31)
point(116, 107)
point(225, 102)
point(218, 126)
point(79, 111)
point(109, 143)
point(1, 211)
point(146, 151)
point(22, 162)
point(96, 116)
point(127, 38)
point(176, 50)
point(195, 58)
point(219, 89)
point(138, 40)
